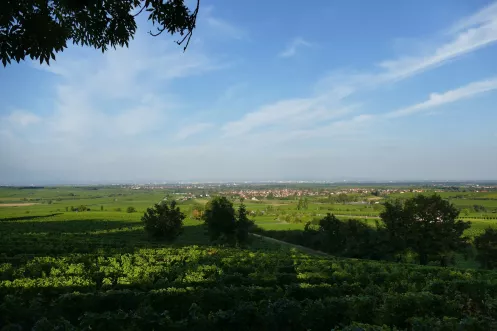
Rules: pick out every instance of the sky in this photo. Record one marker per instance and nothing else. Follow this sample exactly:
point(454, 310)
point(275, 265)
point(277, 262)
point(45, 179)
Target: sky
point(267, 90)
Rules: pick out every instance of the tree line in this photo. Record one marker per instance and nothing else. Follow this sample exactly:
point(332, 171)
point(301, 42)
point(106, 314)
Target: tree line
point(223, 223)
point(422, 228)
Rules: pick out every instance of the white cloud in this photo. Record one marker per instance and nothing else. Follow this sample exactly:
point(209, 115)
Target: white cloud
point(123, 92)
point(468, 35)
point(225, 28)
point(105, 107)
point(231, 92)
point(484, 16)
point(144, 118)
point(23, 118)
point(436, 99)
point(292, 113)
point(293, 46)
point(480, 30)
point(218, 27)
point(192, 129)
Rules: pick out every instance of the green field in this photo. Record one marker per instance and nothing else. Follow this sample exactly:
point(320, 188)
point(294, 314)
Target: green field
point(98, 270)
point(110, 203)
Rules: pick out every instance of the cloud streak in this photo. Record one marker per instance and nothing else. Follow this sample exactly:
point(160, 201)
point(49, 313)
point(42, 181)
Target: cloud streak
point(436, 99)
point(23, 118)
point(292, 48)
point(192, 129)
point(469, 35)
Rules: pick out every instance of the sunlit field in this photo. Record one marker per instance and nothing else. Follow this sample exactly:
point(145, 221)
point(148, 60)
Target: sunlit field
point(61, 267)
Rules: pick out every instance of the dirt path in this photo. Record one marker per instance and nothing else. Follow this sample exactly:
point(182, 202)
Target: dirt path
point(17, 204)
point(284, 243)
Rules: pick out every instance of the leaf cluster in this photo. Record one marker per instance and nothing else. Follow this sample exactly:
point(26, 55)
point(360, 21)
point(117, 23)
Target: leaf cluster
point(38, 29)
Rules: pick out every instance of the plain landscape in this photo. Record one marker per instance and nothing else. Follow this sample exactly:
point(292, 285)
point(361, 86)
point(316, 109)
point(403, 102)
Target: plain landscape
point(248, 165)
point(78, 257)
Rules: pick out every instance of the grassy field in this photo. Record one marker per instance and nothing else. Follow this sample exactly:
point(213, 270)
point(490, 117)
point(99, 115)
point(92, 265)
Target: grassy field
point(71, 270)
point(110, 203)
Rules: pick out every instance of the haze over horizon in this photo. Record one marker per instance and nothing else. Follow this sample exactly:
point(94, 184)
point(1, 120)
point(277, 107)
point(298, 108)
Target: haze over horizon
point(349, 89)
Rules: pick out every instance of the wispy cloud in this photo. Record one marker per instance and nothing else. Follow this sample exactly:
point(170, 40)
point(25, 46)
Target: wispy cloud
point(90, 88)
point(23, 118)
point(486, 15)
point(293, 46)
point(220, 27)
point(226, 28)
point(232, 92)
point(291, 112)
point(435, 99)
point(329, 103)
point(192, 129)
point(468, 35)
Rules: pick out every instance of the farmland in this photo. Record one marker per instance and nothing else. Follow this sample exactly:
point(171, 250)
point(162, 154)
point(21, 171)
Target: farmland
point(96, 269)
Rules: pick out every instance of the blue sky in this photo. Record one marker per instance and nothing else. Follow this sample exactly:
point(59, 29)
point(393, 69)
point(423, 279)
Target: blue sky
point(384, 90)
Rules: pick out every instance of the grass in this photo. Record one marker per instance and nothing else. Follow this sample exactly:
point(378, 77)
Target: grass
point(98, 270)
point(51, 204)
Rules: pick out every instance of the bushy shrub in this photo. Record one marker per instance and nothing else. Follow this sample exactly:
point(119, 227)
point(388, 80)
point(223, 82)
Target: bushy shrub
point(428, 225)
point(243, 226)
point(224, 224)
point(486, 245)
point(164, 220)
point(219, 216)
point(130, 209)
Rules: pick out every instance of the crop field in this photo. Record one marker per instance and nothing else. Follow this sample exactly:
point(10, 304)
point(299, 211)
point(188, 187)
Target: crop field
point(96, 269)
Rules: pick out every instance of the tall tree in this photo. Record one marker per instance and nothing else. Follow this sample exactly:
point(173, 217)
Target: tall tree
point(219, 216)
point(243, 224)
point(426, 224)
point(40, 28)
point(486, 244)
point(164, 220)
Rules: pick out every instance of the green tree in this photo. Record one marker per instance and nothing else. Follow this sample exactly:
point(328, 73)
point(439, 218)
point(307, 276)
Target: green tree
point(426, 224)
point(342, 198)
point(486, 245)
point(243, 225)
point(164, 220)
point(303, 203)
point(39, 29)
point(82, 208)
point(130, 209)
point(67, 208)
point(219, 216)
point(197, 211)
point(331, 226)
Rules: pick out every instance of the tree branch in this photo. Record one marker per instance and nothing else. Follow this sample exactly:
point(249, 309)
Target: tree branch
point(158, 33)
point(190, 30)
point(139, 12)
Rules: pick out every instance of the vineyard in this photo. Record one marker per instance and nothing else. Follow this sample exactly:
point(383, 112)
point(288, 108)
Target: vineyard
point(77, 275)
point(98, 270)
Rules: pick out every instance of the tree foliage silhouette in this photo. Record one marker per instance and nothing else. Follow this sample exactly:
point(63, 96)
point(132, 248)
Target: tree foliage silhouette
point(164, 220)
point(38, 28)
point(486, 244)
point(426, 224)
